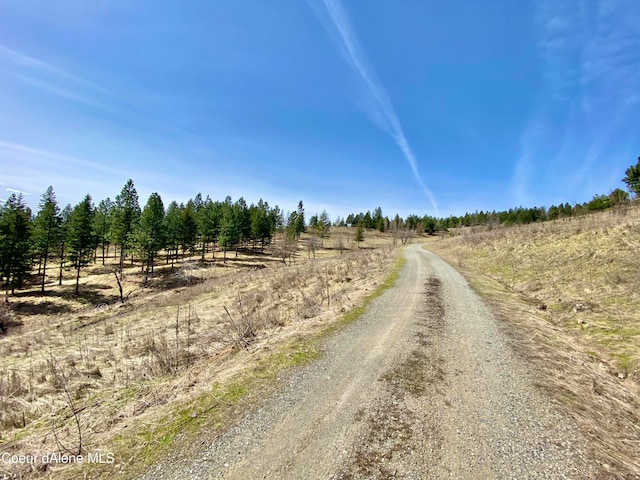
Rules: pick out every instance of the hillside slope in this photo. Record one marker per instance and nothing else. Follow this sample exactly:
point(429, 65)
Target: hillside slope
point(568, 293)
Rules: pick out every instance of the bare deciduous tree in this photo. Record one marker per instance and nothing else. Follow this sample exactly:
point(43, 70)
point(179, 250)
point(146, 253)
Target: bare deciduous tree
point(312, 246)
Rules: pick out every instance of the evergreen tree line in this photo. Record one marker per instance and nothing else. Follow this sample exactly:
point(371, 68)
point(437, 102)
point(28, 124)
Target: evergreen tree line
point(85, 233)
point(513, 216)
point(74, 235)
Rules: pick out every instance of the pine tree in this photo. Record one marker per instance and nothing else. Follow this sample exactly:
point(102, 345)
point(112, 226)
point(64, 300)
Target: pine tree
point(350, 219)
point(367, 221)
point(324, 226)
point(567, 210)
point(599, 202)
point(619, 197)
point(201, 221)
point(359, 235)
point(46, 230)
point(229, 232)
point(430, 224)
point(188, 231)
point(126, 217)
point(212, 219)
point(64, 227)
point(554, 213)
point(377, 220)
point(313, 222)
point(151, 232)
point(15, 242)
point(80, 236)
point(243, 221)
point(172, 230)
point(260, 224)
point(292, 227)
point(317, 229)
point(276, 221)
point(103, 220)
point(632, 178)
point(300, 224)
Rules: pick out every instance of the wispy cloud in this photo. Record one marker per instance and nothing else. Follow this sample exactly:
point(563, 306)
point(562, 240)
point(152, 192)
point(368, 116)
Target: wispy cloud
point(610, 76)
point(53, 156)
point(380, 108)
point(562, 35)
point(590, 59)
point(13, 190)
point(55, 81)
point(31, 63)
point(523, 172)
point(56, 90)
point(610, 68)
point(560, 40)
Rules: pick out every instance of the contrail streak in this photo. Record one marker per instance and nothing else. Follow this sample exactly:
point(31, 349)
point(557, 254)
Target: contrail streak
point(379, 98)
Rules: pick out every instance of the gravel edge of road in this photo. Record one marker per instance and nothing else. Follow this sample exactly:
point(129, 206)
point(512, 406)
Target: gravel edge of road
point(549, 448)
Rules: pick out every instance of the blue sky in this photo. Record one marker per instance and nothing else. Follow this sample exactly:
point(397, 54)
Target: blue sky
point(416, 106)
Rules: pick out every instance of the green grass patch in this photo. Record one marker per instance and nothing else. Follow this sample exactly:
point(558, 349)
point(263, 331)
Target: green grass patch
point(356, 312)
point(557, 307)
point(626, 362)
point(136, 450)
point(291, 355)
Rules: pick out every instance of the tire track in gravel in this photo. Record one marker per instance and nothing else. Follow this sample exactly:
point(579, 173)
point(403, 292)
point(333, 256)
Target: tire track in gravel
point(423, 386)
point(399, 441)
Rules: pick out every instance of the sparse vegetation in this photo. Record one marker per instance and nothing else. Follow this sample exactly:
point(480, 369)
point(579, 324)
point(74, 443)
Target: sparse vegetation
point(188, 342)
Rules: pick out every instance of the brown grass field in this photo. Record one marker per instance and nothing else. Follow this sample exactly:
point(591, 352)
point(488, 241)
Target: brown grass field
point(205, 340)
point(568, 293)
point(181, 354)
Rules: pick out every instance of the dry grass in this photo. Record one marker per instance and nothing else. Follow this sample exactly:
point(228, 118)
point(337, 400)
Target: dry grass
point(133, 374)
point(568, 292)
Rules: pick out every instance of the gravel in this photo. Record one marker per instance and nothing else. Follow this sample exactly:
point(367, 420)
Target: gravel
point(422, 386)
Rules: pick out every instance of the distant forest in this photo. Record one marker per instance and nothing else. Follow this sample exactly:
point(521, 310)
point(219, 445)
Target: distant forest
point(76, 236)
point(513, 216)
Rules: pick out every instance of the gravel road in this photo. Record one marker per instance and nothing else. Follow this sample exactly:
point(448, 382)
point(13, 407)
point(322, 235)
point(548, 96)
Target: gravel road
point(423, 386)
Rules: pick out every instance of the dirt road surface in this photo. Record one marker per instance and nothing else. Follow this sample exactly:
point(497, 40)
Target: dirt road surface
point(423, 386)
